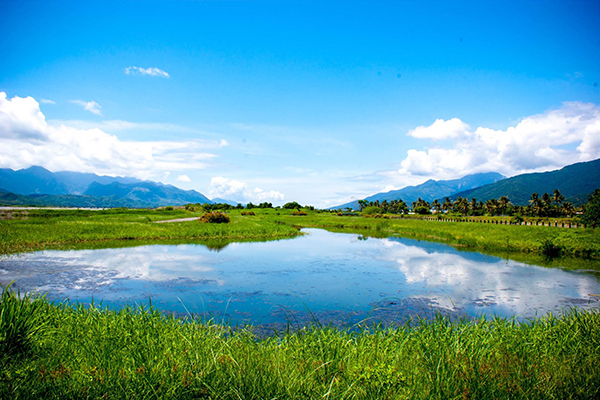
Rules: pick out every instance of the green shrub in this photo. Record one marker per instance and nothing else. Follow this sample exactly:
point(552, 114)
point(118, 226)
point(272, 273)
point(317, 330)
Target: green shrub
point(549, 249)
point(372, 210)
point(214, 217)
point(248, 213)
point(422, 210)
point(299, 212)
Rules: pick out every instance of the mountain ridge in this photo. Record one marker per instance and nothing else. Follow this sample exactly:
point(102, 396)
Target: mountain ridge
point(430, 189)
point(574, 181)
point(36, 185)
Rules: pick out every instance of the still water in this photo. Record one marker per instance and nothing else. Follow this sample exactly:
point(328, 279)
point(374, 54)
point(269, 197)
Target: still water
point(336, 278)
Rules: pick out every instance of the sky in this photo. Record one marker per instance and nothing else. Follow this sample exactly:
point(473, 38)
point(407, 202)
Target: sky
point(319, 102)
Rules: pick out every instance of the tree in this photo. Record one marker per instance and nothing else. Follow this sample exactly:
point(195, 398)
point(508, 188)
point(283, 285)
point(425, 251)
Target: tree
point(362, 204)
point(291, 205)
point(591, 213)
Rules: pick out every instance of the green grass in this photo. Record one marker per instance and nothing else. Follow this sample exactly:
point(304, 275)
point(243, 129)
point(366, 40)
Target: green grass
point(67, 229)
point(490, 238)
point(73, 352)
point(77, 229)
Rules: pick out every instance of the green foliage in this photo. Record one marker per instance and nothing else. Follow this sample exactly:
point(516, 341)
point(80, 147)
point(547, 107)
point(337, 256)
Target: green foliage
point(90, 352)
point(214, 217)
point(422, 210)
point(291, 205)
point(19, 321)
point(591, 213)
point(370, 210)
point(550, 249)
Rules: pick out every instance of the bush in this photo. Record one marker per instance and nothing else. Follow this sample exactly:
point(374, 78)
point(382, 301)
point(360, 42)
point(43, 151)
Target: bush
point(214, 217)
point(291, 205)
point(372, 210)
point(422, 210)
point(550, 250)
point(299, 212)
point(248, 213)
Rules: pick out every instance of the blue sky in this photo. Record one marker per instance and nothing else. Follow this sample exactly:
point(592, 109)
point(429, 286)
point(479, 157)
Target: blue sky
point(319, 102)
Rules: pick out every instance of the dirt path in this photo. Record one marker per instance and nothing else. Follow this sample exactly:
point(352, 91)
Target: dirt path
point(177, 220)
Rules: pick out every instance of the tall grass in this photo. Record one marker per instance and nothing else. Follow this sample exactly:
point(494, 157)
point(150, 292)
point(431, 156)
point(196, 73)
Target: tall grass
point(92, 352)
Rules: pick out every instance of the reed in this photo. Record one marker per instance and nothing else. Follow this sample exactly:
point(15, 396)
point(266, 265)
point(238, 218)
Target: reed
point(93, 352)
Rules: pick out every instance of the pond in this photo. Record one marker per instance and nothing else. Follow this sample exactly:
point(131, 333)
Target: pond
point(336, 278)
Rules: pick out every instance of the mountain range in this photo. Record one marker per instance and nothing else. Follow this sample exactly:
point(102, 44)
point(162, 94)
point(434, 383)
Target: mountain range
point(430, 190)
point(575, 182)
point(40, 187)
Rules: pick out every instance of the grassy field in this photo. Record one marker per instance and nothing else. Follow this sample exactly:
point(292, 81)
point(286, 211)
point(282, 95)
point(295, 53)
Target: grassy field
point(41, 229)
point(63, 352)
point(69, 351)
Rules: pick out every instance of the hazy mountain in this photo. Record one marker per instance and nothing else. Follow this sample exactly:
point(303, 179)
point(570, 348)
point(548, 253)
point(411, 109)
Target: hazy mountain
point(218, 200)
point(42, 187)
point(431, 189)
point(38, 180)
point(152, 194)
point(574, 181)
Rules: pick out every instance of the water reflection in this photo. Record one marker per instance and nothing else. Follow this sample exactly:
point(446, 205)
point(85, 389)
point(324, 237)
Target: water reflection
point(334, 277)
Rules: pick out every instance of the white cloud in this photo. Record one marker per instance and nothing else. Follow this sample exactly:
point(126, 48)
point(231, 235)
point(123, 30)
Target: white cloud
point(152, 71)
point(47, 101)
point(26, 139)
point(91, 106)
point(540, 142)
point(183, 178)
point(441, 129)
point(231, 189)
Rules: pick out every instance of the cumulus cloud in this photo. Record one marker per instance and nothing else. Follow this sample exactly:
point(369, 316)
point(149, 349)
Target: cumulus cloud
point(183, 178)
point(152, 71)
point(232, 189)
point(441, 129)
point(91, 106)
point(26, 139)
point(540, 142)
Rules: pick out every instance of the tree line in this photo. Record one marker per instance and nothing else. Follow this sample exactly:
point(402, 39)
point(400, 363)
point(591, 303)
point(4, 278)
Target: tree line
point(547, 205)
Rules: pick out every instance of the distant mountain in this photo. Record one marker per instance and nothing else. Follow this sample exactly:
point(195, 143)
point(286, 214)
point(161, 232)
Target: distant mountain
point(575, 182)
point(152, 194)
point(42, 187)
point(218, 200)
point(66, 200)
point(431, 189)
point(38, 180)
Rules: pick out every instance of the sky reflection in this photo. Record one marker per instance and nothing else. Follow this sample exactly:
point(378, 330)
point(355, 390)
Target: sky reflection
point(334, 277)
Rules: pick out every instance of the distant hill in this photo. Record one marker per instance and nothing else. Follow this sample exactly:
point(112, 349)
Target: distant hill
point(431, 189)
point(575, 182)
point(38, 180)
point(38, 186)
point(218, 200)
point(151, 193)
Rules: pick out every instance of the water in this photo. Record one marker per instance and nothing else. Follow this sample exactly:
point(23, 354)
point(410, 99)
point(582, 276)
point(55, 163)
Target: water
point(336, 278)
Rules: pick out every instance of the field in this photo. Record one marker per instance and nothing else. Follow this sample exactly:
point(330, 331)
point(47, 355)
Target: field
point(40, 229)
point(65, 350)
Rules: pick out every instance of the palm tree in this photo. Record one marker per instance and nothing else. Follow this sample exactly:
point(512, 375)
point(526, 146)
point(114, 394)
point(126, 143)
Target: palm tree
point(503, 203)
point(447, 204)
point(491, 206)
point(436, 206)
point(558, 197)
